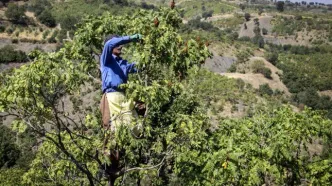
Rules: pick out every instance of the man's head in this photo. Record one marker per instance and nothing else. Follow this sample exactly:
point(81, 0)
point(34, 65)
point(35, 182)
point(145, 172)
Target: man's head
point(117, 51)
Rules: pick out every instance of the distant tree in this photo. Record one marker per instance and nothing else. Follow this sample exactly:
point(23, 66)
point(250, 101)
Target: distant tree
point(68, 22)
point(47, 18)
point(242, 6)
point(9, 54)
point(257, 30)
point(38, 6)
point(264, 31)
point(280, 6)
point(272, 57)
point(121, 2)
point(256, 21)
point(15, 13)
point(147, 6)
point(207, 14)
point(247, 16)
point(265, 89)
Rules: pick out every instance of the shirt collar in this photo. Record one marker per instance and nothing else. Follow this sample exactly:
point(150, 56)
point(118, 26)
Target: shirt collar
point(116, 58)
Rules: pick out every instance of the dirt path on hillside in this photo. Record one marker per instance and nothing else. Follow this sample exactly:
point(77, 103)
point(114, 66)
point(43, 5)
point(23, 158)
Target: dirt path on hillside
point(258, 79)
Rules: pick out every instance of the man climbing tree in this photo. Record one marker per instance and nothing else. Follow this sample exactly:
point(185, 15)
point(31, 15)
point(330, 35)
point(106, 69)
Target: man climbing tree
point(116, 109)
point(114, 72)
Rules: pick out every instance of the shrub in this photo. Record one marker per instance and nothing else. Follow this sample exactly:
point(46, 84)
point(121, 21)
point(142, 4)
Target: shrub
point(45, 34)
point(247, 16)
point(15, 13)
point(8, 54)
point(15, 40)
point(266, 72)
point(280, 6)
point(197, 24)
point(68, 22)
point(264, 31)
point(259, 67)
point(38, 6)
point(10, 30)
point(244, 38)
point(47, 18)
point(272, 57)
point(257, 30)
point(62, 35)
point(207, 14)
point(259, 41)
point(2, 28)
point(265, 90)
point(232, 68)
point(17, 33)
point(242, 56)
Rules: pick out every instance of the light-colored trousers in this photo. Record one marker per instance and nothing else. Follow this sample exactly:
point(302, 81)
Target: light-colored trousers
point(122, 111)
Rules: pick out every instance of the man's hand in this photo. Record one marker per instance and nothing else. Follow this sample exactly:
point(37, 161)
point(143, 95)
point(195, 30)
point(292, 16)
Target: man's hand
point(136, 37)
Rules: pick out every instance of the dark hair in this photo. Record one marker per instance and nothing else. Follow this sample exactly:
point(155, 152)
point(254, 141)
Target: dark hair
point(109, 37)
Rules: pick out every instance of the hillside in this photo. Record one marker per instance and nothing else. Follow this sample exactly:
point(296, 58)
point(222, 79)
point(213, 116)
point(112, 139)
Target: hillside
point(234, 93)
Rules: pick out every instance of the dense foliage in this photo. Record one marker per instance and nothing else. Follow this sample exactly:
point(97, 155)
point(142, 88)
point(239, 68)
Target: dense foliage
point(52, 97)
point(9, 54)
point(15, 13)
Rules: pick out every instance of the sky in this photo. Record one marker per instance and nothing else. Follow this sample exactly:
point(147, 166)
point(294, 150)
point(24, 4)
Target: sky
point(319, 1)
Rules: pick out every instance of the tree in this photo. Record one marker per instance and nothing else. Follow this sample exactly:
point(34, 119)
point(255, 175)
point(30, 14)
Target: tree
point(264, 31)
point(265, 89)
point(242, 7)
point(171, 118)
point(272, 57)
point(38, 6)
point(256, 21)
point(257, 30)
point(280, 6)
point(47, 18)
point(247, 16)
point(15, 13)
point(9, 54)
point(207, 14)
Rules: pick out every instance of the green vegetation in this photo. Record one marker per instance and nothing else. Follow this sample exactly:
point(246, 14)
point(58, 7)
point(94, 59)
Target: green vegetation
point(9, 54)
point(280, 6)
point(303, 71)
point(291, 25)
point(232, 23)
point(265, 89)
point(259, 67)
point(15, 13)
point(304, 75)
point(214, 95)
point(46, 18)
point(190, 136)
point(194, 8)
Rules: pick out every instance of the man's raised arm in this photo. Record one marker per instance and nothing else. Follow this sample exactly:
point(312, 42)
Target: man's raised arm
point(116, 41)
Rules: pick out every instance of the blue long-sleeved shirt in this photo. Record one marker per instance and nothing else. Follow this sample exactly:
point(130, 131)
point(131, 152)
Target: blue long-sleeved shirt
point(114, 70)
